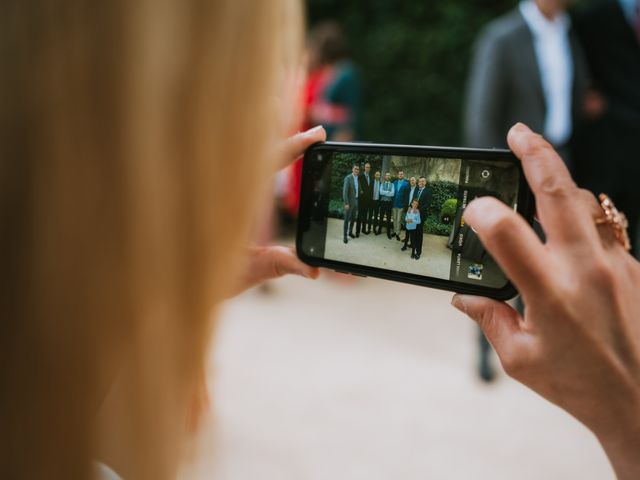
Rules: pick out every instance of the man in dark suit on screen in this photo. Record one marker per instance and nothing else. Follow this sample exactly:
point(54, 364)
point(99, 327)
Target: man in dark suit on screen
point(351, 191)
point(366, 201)
point(423, 195)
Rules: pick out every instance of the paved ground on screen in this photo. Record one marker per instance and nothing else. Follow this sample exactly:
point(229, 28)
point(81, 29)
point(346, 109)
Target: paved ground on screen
point(378, 251)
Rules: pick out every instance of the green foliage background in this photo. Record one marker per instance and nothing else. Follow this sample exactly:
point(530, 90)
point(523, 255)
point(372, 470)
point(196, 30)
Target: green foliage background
point(341, 166)
point(413, 57)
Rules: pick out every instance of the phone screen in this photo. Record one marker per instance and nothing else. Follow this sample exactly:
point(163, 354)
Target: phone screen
point(403, 213)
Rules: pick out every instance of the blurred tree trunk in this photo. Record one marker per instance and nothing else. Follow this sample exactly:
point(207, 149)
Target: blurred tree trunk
point(386, 164)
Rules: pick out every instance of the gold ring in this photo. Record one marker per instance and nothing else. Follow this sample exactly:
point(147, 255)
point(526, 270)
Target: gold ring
point(616, 219)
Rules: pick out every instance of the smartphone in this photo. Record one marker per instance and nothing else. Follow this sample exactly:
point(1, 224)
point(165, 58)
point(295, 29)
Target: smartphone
point(396, 212)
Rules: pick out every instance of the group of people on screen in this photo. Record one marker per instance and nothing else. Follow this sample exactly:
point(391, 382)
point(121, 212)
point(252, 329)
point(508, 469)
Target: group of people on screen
point(372, 202)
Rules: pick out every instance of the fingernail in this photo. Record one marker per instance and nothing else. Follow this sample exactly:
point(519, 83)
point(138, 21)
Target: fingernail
point(312, 274)
point(521, 127)
point(305, 273)
point(469, 210)
point(517, 132)
point(474, 210)
point(458, 302)
point(314, 130)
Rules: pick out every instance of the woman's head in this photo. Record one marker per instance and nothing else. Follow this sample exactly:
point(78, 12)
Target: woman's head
point(327, 44)
point(116, 118)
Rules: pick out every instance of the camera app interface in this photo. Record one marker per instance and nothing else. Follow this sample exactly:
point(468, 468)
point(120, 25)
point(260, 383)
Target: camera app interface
point(406, 213)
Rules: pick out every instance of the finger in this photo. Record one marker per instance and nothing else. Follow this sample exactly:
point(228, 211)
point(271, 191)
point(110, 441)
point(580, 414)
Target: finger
point(563, 218)
point(280, 261)
point(511, 241)
point(294, 147)
point(500, 323)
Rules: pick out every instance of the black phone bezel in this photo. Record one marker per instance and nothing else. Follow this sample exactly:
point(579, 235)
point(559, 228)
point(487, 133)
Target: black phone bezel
point(526, 208)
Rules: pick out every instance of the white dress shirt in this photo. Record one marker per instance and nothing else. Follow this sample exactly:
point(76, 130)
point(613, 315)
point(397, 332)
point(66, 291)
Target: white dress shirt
point(411, 195)
point(376, 189)
point(553, 54)
point(355, 182)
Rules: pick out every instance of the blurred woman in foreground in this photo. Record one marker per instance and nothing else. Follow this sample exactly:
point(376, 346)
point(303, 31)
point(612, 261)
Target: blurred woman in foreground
point(125, 126)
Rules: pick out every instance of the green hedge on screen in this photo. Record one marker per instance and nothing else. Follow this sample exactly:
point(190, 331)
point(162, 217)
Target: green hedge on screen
point(448, 210)
point(341, 167)
point(434, 226)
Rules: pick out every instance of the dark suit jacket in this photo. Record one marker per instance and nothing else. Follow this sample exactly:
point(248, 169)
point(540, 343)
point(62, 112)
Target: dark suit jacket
point(407, 197)
point(608, 147)
point(349, 190)
point(367, 189)
point(505, 85)
point(424, 200)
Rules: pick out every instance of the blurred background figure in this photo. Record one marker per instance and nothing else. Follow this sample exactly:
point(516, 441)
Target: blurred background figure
point(332, 95)
point(333, 92)
point(527, 67)
point(608, 143)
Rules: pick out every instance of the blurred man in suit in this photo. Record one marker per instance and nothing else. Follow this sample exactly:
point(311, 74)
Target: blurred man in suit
point(527, 67)
point(608, 142)
point(351, 191)
point(365, 202)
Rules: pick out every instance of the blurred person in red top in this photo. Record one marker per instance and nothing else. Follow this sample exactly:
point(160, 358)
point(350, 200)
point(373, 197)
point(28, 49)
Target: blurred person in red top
point(332, 95)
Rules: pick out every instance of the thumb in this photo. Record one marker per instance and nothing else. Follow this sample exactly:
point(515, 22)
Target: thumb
point(499, 322)
point(284, 261)
point(270, 262)
point(295, 146)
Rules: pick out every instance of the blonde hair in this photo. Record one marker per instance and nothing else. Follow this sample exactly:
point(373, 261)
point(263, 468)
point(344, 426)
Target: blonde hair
point(127, 127)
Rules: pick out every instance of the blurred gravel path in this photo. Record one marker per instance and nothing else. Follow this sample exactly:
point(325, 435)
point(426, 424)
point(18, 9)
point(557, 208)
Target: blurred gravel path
point(372, 380)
